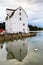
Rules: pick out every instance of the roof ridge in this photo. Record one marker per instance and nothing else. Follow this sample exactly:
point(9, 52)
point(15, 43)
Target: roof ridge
point(11, 9)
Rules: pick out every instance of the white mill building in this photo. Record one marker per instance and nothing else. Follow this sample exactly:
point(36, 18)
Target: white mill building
point(16, 20)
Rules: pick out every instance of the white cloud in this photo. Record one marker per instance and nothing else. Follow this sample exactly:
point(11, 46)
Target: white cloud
point(34, 8)
point(36, 1)
point(11, 3)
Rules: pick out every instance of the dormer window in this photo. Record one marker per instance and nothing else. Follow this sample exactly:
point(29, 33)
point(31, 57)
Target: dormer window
point(7, 17)
point(7, 14)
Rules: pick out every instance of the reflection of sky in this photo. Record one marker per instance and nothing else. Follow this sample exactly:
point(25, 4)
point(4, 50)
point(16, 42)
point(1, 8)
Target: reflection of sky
point(34, 9)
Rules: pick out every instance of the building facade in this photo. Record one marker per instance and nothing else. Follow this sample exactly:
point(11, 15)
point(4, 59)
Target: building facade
point(16, 21)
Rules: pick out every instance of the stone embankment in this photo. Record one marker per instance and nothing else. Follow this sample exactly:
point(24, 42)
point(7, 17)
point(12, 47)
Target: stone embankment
point(10, 37)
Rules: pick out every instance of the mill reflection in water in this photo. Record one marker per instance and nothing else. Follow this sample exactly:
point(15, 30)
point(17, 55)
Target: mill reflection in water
point(17, 49)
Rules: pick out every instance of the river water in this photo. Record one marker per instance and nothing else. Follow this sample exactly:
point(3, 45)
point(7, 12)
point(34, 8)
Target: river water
point(27, 51)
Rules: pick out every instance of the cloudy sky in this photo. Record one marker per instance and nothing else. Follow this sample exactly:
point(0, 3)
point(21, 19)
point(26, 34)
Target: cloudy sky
point(33, 8)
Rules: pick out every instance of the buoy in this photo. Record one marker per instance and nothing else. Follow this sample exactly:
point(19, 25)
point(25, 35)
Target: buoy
point(36, 50)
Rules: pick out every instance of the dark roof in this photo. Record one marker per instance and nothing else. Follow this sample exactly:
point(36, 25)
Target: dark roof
point(13, 11)
point(11, 14)
point(6, 18)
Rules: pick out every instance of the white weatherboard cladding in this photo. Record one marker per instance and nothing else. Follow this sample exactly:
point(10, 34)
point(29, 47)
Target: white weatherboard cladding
point(14, 24)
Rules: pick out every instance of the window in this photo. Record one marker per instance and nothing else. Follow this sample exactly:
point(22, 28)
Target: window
point(20, 18)
point(23, 24)
point(20, 9)
point(23, 29)
point(20, 13)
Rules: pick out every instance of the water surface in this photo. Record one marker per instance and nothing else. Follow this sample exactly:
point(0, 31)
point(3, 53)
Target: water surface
point(27, 51)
